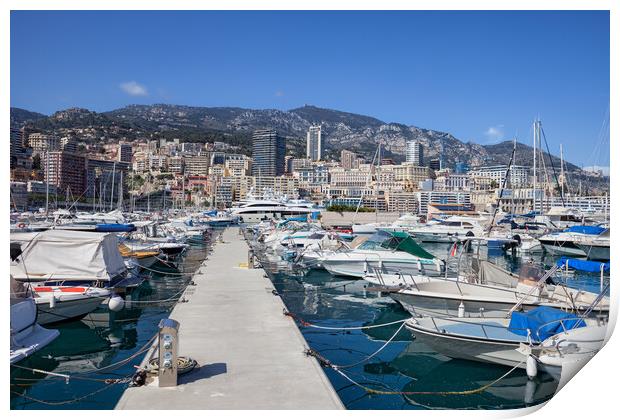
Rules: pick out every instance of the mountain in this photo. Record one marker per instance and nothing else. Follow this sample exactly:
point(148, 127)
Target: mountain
point(233, 125)
point(20, 116)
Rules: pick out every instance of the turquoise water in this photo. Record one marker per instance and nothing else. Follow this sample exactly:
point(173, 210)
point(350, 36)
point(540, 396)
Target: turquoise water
point(99, 340)
point(404, 365)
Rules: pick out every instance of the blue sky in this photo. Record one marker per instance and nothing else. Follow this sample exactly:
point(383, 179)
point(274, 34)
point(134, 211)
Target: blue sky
point(482, 76)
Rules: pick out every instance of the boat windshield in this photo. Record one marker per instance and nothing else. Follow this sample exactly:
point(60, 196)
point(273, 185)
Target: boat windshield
point(396, 241)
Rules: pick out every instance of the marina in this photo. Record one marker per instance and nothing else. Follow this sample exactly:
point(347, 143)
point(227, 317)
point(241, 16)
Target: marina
point(261, 310)
point(193, 225)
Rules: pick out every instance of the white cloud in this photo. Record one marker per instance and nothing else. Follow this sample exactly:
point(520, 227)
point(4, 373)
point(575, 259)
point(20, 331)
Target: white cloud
point(133, 88)
point(495, 133)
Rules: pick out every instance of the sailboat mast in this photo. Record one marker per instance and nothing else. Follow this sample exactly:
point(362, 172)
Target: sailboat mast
point(120, 193)
point(562, 169)
point(47, 182)
point(534, 178)
point(112, 191)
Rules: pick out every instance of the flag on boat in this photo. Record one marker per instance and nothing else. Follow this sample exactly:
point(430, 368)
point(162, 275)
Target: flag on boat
point(453, 250)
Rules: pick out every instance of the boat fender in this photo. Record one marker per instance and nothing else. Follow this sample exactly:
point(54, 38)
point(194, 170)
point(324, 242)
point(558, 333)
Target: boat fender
point(116, 303)
point(461, 310)
point(531, 367)
point(52, 301)
point(518, 239)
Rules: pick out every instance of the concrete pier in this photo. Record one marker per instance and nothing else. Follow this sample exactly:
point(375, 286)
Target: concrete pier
point(250, 355)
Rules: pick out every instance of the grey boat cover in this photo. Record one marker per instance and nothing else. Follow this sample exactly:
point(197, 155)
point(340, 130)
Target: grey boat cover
point(489, 273)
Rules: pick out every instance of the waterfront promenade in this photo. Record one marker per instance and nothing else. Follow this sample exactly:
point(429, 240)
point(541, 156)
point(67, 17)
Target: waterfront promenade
point(250, 354)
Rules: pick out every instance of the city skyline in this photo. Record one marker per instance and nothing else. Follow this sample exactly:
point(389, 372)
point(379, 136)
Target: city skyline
point(486, 85)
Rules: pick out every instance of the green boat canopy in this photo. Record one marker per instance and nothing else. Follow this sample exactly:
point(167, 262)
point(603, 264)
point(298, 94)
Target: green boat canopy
point(397, 241)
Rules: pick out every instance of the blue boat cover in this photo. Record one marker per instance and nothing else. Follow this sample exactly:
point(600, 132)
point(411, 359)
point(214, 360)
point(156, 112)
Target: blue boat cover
point(543, 322)
point(210, 213)
point(582, 265)
point(115, 227)
point(589, 230)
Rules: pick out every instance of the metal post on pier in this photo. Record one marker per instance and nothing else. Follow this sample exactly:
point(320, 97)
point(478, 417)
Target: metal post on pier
point(168, 352)
point(250, 259)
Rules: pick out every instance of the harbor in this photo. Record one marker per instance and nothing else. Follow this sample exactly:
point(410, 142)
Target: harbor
point(249, 355)
point(292, 313)
point(250, 211)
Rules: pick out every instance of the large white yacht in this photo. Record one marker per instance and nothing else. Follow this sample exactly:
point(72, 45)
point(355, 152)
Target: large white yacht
point(255, 210)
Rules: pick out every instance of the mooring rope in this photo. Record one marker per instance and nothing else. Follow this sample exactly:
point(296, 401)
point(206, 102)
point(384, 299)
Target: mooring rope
point(74, 400)
point(376, 352)
point(120, 363)
point(174, 297)
point(322, 327)
point(180, 274)
point(338, 369)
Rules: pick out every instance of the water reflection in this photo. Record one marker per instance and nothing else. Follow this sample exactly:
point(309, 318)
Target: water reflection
point(404, 365)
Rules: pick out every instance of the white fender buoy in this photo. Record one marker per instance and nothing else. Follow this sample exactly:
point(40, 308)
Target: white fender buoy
point(531, 367)
point(116, 303)
point(52, 301)
point(461, 313)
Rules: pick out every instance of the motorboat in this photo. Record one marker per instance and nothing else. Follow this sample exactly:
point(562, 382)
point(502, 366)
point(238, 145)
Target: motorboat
point(66, 303)
point(564, 354)
point(255, 210)
point(566, 242)
point(170, 249)
point(145, 258)
point(497, 340)
point(494, 293)
point(27, 336)
point(595, 247)
point(389, 252)
point(447, 230)
point(69, 258)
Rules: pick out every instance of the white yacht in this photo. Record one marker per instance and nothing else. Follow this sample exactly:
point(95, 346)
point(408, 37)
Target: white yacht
point(566, 242)
point(448, 230)
point(257, 210)
point(389, 252)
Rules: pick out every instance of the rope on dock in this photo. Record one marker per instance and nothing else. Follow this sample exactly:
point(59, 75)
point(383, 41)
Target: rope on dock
point(170, 299)
point(71, 375)
point(182, 273)
point(376, 352)
point(338, 369)
point(311, 288)
point(404, 393)
point(322, 327)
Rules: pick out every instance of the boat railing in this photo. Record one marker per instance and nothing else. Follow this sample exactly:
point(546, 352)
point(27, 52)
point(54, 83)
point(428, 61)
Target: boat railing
point(413, 281)
point(544, 277)
point(485, 327)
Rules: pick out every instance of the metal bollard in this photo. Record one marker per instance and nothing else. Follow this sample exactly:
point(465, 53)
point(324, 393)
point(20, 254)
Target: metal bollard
point(168, 352)
point(250, 259)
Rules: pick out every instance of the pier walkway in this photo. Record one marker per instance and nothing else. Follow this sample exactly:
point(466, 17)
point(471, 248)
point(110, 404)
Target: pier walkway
point(250, 355)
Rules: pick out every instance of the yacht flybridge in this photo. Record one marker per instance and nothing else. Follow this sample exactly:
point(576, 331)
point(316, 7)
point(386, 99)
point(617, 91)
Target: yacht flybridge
point(257, 210)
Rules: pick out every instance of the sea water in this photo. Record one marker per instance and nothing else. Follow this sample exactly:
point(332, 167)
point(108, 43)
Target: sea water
point(432, 380)
point(99, 340)
point(406, 374)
